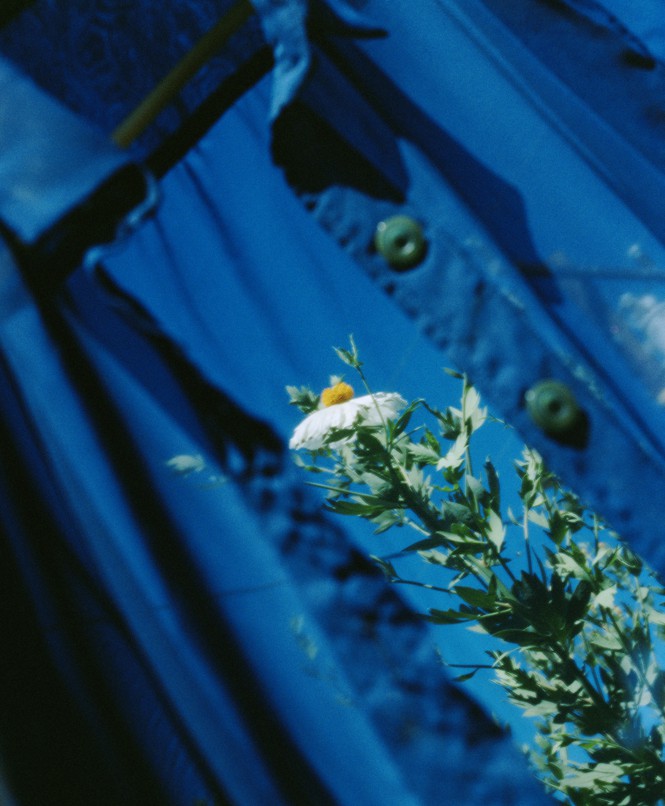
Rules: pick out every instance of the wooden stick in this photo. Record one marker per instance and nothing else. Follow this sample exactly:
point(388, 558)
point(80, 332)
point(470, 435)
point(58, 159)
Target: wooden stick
point(162, 95)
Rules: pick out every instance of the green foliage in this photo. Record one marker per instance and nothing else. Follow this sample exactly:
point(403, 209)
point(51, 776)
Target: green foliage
point(303, 398)
point(349, 357)
point(575, 618)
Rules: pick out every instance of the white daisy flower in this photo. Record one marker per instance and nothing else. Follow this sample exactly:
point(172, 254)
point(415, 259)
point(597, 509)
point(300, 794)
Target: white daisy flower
point(339, 409)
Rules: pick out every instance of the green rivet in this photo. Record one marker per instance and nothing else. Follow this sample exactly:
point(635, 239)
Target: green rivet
point(553, 407)
point(400, 240)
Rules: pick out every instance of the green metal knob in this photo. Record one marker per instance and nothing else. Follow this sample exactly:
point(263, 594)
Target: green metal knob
point(400, 240)
point(553, 408)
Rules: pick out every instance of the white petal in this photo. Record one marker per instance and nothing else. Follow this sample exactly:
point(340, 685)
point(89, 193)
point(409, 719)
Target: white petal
point(369, 410)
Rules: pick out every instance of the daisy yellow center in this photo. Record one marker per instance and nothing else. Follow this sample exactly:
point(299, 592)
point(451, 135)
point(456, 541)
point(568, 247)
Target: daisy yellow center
point(339, 393)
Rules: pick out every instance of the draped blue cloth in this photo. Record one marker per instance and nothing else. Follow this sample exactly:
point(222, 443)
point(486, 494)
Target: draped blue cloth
point(212, 636)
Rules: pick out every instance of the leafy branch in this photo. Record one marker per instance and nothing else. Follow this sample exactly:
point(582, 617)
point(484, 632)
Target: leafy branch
point(575, 623)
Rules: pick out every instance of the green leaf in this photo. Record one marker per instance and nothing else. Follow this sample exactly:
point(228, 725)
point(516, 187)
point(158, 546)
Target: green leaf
point(455, 455)
point(386, 566)
point(349, 357)
point(558, 591)
point(386, 519)
point(458, 513)
point(476, 597)
point(529, 590)
point(476, 488)
point(558, 527)
point(462, 678)
point(423, 453)
point(338, 434)
point(300, 462)
point(303, 398)
point(607, 641)
point(367, 439)
point(467, 546)
point(472, 414)
point(432, 441)
point(494, 486)
point(449, 421)
point(463, 540)
point(657, 617)
point(578, 602)
point(434, 542)
point(448, 616)
point(632, 562)
point(521, 637)
point(594, 777)
point(537, 517)
point(543, 708)
point(346, 507)
point(606, 597)
point(496, 531)
point(568, 565)
point(398, 426)
point(658, 691)
point(435, 557)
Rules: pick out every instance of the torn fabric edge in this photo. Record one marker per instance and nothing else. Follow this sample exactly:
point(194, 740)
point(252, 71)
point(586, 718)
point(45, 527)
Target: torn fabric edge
point(286, 24)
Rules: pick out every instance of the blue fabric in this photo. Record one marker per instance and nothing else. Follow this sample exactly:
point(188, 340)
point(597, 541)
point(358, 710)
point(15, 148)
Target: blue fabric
point(251, 325)
point(644, 21)
point(46, 171)
point(535, 203)
point(188, 709)
point(206, 648)
point(215, 635)
point(179, 595)
point(283, 25)
point(102, 58)
point(286, 28)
